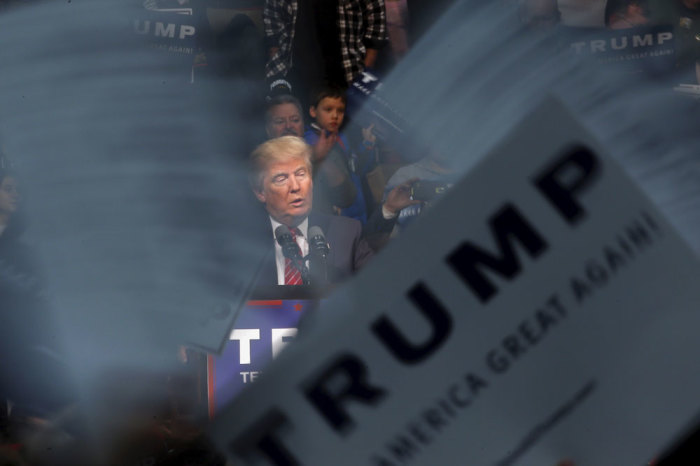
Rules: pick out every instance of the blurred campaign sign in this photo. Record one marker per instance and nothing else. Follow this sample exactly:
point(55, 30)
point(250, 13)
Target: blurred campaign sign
point(261, 331)
point(168, 31)
point(517, 325)
point(134, 200)
point(649, 48)
point(367, 106)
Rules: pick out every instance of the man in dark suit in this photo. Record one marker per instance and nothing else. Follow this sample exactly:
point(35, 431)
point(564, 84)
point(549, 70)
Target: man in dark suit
point(281, 178)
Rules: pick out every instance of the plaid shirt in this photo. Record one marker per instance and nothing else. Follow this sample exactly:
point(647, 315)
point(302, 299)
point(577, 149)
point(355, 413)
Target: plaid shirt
point(362, 24)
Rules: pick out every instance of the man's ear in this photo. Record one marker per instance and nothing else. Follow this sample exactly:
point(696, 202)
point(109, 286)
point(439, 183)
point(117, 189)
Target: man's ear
point(312, 111)
point(260, 195)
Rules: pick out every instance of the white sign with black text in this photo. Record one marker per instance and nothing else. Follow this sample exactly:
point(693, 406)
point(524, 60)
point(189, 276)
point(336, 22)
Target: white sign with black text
point(544, 309)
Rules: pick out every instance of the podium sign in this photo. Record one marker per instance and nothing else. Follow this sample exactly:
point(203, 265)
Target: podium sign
point(261, 331)
point(544, 309)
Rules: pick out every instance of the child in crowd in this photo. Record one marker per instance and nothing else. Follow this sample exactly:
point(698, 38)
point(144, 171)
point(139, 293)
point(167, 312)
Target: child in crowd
point(328, 112)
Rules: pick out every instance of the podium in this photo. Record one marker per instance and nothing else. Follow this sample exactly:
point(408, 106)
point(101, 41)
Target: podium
point(264, 326)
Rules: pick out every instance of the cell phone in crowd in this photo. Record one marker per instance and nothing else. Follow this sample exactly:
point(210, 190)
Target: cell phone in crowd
point(316, 129)
point(423, 190)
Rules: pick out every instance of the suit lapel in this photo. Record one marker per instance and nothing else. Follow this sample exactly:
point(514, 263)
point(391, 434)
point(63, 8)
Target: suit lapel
point(321, 221)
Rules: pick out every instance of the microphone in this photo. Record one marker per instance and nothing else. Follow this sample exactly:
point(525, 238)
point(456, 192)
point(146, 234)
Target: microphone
point(317, 242)
point(318, 252)
point(290, 250)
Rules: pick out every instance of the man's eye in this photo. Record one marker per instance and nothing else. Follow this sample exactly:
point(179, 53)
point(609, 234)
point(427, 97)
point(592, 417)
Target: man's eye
point(279, 179)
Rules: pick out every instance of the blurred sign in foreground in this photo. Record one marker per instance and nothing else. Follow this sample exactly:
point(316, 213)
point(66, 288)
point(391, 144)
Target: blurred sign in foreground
point(518, 325)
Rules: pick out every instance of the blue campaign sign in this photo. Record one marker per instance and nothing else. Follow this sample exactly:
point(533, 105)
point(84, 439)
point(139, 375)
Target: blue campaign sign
point(169, 29)
point(262, 330)
point(650, 49)
point(367, 107)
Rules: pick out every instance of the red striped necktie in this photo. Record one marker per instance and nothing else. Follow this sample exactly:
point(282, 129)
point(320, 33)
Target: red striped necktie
point(292, 275)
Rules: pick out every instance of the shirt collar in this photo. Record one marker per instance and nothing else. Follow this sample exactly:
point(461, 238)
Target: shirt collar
point(303, 226)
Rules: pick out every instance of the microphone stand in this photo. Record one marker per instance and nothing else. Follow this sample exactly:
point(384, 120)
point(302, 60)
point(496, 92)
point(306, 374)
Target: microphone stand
point(318, 253)
point(304, 271)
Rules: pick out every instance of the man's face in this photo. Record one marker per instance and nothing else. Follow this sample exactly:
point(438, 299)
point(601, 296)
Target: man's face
point(285, 120)
point(9, 195)
point(329, 113)
point(286, 191)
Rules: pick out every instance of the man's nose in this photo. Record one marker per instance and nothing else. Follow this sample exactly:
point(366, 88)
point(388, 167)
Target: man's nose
point(294, 184)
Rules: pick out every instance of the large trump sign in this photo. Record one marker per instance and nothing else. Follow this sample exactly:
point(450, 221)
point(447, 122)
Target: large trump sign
point(543, 307)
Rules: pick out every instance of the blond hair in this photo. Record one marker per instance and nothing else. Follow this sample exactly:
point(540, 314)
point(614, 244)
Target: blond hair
point(277, 150)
